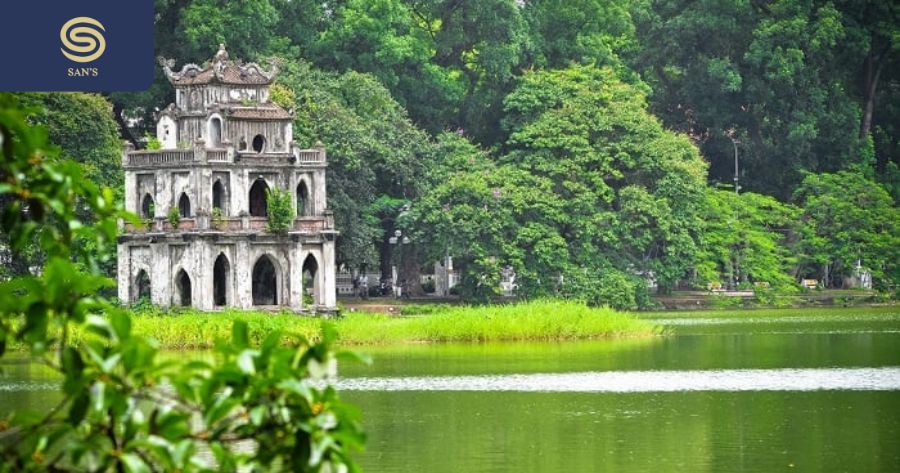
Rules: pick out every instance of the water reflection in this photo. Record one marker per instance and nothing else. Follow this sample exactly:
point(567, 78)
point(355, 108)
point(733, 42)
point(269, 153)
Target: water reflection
point(855, 379)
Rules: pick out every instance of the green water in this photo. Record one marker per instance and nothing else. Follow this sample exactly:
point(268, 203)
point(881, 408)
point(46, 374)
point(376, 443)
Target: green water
point(645, 426)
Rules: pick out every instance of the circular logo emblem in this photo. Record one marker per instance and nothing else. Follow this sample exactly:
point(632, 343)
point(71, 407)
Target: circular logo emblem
point(82, 39)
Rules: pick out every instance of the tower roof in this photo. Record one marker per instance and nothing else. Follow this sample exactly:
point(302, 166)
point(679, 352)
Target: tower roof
point(220, 69)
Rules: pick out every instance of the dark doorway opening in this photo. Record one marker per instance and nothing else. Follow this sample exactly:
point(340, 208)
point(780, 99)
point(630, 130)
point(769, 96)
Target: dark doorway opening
point(183, 284)
point(184, 206)
point(218, 195)
point(259, 143)
point(302, 200)
point(220, 281)
point(215, 133)
point(310, 281)
point(147, 207)
point(265, 282)
point(142, 284)
point(258, 205)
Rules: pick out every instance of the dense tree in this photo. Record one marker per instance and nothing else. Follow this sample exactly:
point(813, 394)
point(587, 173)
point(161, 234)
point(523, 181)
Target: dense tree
point(374, 152)
point(852, 220)
point(747, 238)
point(771, 76)
point(590, 185)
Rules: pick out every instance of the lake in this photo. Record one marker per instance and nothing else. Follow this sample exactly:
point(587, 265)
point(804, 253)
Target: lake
point(805, 390)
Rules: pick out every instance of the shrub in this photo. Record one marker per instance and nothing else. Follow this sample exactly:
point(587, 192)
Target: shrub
point(280, 209)
point(174, 217)
point(217, 218)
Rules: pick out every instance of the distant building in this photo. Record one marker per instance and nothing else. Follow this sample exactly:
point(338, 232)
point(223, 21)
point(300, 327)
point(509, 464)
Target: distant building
point(224, 144)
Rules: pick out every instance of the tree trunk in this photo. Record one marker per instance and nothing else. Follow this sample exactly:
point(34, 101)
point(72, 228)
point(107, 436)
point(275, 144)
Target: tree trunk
point(873, 66)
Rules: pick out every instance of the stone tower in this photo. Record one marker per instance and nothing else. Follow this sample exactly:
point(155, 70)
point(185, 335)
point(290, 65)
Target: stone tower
point(223, 145)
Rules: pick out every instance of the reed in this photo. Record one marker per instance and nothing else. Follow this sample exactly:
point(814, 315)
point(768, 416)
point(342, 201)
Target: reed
point(536, 320)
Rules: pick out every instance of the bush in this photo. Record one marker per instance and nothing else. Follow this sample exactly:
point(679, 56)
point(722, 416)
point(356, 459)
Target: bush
point(280, 209)
point(174, 217)
point(612, 289)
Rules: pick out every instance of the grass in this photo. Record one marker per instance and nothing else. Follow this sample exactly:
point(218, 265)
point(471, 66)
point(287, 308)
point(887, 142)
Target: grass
point(537, 320)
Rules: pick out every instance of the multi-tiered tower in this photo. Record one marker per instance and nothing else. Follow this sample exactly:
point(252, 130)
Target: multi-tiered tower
point(223, 145)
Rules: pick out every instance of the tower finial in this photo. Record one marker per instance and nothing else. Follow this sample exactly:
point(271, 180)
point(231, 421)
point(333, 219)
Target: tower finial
point(222, 54)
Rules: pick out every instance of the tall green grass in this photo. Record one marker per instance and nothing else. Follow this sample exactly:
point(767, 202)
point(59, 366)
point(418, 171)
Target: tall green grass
point(538, 320)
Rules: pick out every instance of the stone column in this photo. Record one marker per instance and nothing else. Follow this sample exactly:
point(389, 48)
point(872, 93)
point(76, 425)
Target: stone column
point(243, 273)
point(295, 273)
point(123, 273)
point(327, 283)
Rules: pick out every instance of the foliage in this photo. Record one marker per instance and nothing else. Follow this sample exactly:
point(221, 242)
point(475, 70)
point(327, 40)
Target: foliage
point(153, 142)
point(217, 217)
point(280, 207)
point(533, 320)
point(787, 79)
point(850, 218)
point(590, 182)
point(747, 238)
point(115, 413)
point(374, 152)
point(174, 217)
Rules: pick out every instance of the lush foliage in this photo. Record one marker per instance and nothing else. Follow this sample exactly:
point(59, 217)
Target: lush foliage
point(747, 239)
point(590, 185)
point(852, 220)
point(280, 208)
point(116, 412)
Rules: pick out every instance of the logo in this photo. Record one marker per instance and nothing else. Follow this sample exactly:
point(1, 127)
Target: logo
point(82, 39)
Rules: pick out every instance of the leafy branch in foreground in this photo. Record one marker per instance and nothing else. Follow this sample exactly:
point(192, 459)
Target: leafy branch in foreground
point(122, 409)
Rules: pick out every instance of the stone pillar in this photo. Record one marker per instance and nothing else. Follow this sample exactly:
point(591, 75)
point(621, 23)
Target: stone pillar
point(123, 271)
point(243, 273)
point(327, 283)
point(295, 273)
point(162, 287)
point(204, 274)
point(200, 150)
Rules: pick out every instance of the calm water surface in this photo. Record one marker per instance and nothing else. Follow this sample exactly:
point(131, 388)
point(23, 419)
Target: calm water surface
point(798, 391)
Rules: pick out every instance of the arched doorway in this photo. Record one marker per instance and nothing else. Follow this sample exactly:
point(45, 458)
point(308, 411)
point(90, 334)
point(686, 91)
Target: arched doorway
point(258, 205)
point(259, 143)
point(303, 204)
point(215, 133)
point(184, 206)
point(147, 207)
point(218, 192)
point(183, 284)
point(310, 281)
point(265, 281)
point(142, 286)
point(221, 276)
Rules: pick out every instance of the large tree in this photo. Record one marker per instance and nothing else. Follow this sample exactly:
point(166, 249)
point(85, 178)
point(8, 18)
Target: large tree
point(590, 185)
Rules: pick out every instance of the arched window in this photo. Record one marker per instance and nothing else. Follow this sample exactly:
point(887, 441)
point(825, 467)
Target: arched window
point(265, 282)
point(218, 196)
point(258, 205)
point(221, 273)
point(142, 285)
point(147, 207)
point(215, 133)
point(184, 206)
point(183, 284)
point(259, 143)
point(303, 203)
point(310, 281)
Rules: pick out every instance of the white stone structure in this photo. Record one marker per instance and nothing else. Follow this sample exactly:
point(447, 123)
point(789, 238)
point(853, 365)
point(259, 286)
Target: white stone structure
point(223, 145)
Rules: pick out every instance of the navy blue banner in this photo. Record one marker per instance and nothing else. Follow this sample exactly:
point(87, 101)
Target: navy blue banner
point(76, 45)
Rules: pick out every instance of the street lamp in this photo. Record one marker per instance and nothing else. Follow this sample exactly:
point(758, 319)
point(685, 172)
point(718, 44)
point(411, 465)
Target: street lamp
point(398, 240)
point(737, 187)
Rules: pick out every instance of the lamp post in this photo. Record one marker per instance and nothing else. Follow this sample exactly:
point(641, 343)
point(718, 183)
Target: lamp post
point(737, 187)
point(398, 240)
